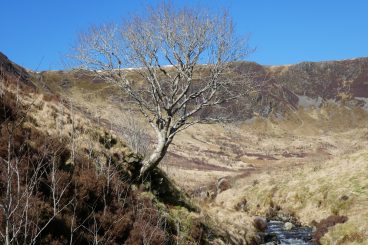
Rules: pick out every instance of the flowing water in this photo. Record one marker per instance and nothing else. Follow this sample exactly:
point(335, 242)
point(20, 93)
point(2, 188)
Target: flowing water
point(296, 236)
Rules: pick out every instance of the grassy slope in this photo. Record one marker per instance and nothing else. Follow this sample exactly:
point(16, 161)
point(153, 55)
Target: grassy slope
point(331, 181)
point(320, 158)
point(52, 117)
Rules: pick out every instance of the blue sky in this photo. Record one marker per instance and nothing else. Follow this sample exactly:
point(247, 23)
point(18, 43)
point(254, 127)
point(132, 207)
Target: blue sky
point(36, 34)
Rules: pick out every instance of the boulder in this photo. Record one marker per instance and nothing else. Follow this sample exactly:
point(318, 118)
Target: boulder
point(288, 226)
point(260, 223)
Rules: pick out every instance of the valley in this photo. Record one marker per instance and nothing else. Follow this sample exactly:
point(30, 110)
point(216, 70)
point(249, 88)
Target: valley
point(307, 156)
point(300, 162)
point(166, 122)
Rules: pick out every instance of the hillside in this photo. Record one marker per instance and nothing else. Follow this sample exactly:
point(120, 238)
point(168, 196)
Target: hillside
point(65, 179)
point(296, 148)
point(281, 87)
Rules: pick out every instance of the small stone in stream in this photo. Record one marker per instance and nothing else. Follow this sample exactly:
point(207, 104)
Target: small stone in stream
point(288, 226)
point(314, 229)
point(260, 223)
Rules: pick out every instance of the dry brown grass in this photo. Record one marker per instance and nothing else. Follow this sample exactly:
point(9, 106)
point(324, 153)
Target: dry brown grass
point(330, 179)
point(320, 169)
point(306, 163)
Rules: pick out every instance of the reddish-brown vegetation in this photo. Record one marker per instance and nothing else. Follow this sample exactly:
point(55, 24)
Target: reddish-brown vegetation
point(324, 224)
point(44, 199)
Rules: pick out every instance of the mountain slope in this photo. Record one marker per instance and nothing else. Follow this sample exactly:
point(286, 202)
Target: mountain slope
point(298, 146)
point(282, 88)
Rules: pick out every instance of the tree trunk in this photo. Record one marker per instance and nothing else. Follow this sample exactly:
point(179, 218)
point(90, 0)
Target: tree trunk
point(157, 155)
point(7, 235)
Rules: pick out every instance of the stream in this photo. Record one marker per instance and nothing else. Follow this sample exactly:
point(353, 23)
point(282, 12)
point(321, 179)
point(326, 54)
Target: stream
point(276, 234)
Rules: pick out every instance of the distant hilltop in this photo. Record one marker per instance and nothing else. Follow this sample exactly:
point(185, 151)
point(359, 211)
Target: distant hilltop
point(284, 87)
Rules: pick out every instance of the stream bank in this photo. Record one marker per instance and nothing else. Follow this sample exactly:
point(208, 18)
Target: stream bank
point(283, 228)
point(280, 232)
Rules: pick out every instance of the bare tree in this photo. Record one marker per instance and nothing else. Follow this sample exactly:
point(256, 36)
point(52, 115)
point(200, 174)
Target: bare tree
point(181, 60)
